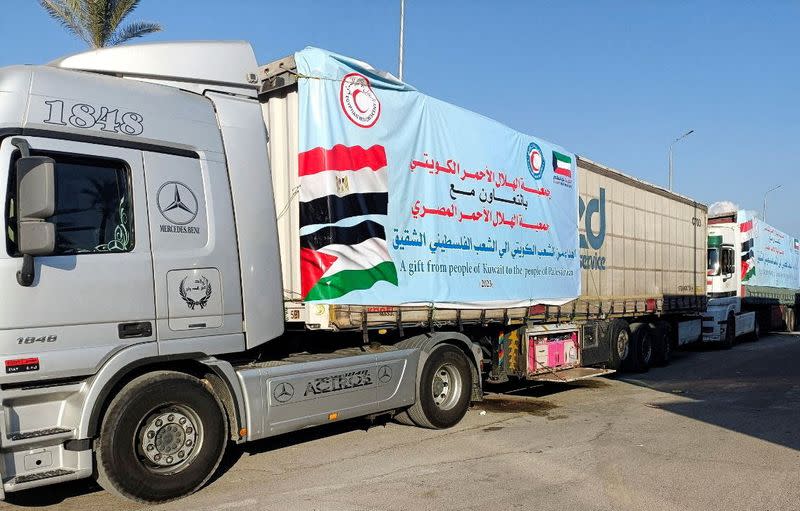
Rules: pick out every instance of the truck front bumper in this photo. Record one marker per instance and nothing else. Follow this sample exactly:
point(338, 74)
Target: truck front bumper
point(712, 329)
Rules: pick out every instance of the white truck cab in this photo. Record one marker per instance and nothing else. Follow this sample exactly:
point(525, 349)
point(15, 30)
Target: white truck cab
point(724, 320)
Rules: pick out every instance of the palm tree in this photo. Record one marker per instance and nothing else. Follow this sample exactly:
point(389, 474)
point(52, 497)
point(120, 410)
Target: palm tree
point(97, 22)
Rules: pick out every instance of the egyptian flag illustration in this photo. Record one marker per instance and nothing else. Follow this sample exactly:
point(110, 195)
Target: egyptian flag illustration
point(335, 184)
point(748, 261)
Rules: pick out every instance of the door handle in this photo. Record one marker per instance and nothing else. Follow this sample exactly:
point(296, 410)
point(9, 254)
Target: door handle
point(137, 329)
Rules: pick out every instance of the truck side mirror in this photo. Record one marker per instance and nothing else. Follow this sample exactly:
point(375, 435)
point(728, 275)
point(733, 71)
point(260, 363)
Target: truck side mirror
point(35, 202)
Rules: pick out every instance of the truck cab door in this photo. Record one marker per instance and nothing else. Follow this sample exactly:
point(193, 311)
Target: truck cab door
point(94, 294)
point(195, 256)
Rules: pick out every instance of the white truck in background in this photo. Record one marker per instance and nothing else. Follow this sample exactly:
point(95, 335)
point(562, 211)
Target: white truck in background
point(753, 277)
point(167, 289)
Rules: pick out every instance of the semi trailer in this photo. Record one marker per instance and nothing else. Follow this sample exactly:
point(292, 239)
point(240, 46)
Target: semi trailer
point(753, 277)
point(201, 251)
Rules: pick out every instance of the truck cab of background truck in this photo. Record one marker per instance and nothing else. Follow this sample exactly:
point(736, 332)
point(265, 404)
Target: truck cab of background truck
point(724, 319)
point(141, 271)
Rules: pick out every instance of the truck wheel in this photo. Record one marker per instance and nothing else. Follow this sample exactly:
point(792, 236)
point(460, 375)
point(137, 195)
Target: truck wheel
point(662, 347)
point(161, 438)
point(619, 337)
point(642, 344)
point(443, 390)
point(403, 418)
point(730, 332)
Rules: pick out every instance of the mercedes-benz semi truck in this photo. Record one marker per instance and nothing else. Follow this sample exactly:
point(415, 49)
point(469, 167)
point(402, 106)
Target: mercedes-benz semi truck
point(199, 251)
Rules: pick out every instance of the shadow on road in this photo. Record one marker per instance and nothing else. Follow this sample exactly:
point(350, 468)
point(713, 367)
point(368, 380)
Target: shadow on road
point(235, 452)
point(753, 388)
point(52, 495)
point(58, 493)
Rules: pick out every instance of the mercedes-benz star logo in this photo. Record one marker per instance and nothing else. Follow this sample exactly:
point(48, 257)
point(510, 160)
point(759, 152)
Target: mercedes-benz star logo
point(283, 392)
point(384, 374)
point(177, 203)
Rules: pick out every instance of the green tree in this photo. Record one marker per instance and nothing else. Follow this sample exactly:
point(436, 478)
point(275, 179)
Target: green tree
point(99, 22)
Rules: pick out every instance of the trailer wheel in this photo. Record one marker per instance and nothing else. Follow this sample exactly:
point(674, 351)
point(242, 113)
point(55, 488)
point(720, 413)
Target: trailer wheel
point(162, 437)
point(643, 347)
point(619, 342)
point(730, 332)
point(662, 345)
point(443, 390)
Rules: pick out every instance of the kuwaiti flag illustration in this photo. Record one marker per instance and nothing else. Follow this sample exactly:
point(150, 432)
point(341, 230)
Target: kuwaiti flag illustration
point(562, 164)
point(338, 183)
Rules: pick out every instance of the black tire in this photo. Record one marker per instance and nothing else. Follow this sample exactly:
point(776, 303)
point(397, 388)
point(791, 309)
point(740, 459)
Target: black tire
point(180, 413)
point(404, 418)
point(756, 333)
point(730, 332)
point(618, 340)
point(662, 343)
point(431, 410)
point(642, 347)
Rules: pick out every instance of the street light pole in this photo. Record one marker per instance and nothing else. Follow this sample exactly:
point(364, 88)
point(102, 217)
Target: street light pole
point(764, 215)
point(402, 24)
point(670, 154)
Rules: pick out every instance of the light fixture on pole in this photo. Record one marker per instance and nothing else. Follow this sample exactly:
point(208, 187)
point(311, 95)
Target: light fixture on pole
point(402, 24)
point(764, 214)
point(670, 154)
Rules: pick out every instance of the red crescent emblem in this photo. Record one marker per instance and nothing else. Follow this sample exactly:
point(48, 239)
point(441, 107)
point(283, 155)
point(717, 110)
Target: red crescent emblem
point(355, 101)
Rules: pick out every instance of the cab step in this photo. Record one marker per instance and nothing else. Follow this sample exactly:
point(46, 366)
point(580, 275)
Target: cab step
point(38, 476)
point(27, 435)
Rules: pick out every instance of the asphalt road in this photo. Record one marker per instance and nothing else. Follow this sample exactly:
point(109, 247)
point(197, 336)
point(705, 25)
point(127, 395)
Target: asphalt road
point(714, 430)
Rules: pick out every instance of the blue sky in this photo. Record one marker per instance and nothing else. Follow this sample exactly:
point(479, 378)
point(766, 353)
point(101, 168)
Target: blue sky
point(615, 81)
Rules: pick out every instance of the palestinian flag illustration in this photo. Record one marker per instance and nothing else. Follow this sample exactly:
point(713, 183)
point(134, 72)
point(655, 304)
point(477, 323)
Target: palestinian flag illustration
point(337, 260)
point(748, 261)
point(562, 164)
point(342, 182)
point(338, 183)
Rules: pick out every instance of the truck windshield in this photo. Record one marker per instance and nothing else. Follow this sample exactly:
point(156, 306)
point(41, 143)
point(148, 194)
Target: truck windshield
point(713, 261)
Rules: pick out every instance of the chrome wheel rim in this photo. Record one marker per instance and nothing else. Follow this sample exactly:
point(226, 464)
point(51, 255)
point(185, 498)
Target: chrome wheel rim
point(169, 439)
point(623, 345)
point(446, 386)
